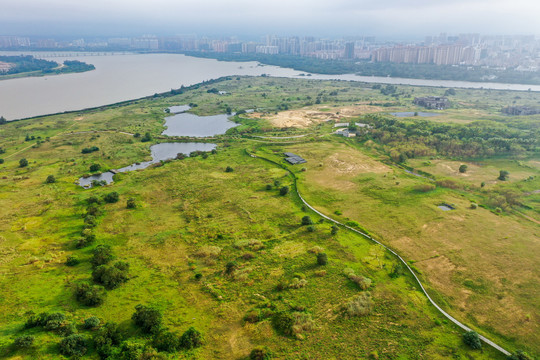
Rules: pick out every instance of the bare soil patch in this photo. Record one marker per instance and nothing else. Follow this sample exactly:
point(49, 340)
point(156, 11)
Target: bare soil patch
point(308, 116)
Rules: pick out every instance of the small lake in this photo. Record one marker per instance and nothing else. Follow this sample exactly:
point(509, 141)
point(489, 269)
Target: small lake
point(186, 124)
point(163, 151)
point(411, 114)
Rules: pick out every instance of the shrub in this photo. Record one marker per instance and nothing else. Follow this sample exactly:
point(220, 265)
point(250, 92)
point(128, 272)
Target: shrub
point(322, 258)
point(471, 339)
point(362, 282)
point(89, 150)
point(92, 322)
point(73, 345)
point(302, 322)
point(191, 339)
point(448, 183)
point(72, 260)
point(102, 255)
point(397, 270)
point(268, 187)
point(24, 342)
point(297, 283)
point(67, 330)
point(1, 161)
point(53, 321)
point(95, 167)
point(334, 230)
point(166, 341)
point(229, 169)
point(424, 188)
point(93, 200)
point(50, 179)
point(520, 355)
point(106, 338)
point(209, 251)
point(283, 323)
point(147, 137)
point(23, 163)
point(89, 295)
point(311, 228)
point(474, 206)
point(113, 276)
point(359, 305)
point(306, 220)
point(111, 197)
point(284, 191)
point(147, 318)
point(131, 204)
point(503, 175)
point(260, 353)
point(463, 168)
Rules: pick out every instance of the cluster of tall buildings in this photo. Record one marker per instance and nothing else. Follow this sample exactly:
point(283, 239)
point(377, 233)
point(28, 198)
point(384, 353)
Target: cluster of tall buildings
point(522, 52)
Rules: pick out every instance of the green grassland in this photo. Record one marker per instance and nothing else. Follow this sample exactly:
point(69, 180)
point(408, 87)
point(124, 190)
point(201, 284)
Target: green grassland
point(193, 219)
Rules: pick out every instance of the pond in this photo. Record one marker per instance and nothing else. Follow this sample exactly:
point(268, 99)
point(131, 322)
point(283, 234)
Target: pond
point(411, 114)
point(163, 151)
point(445, 207)
point(179, 109)
point(187, 124)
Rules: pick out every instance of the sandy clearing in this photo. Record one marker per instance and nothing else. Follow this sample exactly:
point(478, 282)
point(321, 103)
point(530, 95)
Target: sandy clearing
point(309, 116)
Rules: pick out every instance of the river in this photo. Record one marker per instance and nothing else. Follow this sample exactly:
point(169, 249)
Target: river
point(120, 77)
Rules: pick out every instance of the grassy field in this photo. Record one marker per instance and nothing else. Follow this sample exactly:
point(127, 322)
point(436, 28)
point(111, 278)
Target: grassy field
point(193, 219)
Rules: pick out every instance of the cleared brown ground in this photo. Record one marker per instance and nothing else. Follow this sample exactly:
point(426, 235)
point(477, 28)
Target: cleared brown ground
point(308, 116)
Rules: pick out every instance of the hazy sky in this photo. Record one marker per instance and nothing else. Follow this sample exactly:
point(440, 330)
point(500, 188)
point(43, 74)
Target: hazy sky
point(400, 18)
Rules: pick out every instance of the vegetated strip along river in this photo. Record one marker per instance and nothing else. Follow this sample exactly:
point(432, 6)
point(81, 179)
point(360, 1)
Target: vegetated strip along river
point(125, 76)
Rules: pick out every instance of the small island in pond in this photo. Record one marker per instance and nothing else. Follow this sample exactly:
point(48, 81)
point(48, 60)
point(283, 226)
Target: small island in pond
point(27, 65)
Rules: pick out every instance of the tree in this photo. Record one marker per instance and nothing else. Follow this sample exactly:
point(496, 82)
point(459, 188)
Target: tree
point(72, 260)
point(111, 197)
point(147, 318)
point(503, 175)
point(463, 168)
point(106, 339)
point(23, 162)
point(166, 341)
point(73, 345)
point(306, 220)
point(95, 167)
point(147, 137)
point(260, 353)
point(284, 191)
point(131, 204)
point(3, 120)
point(89, 295)
point(50, 179)
point(24, 342)
point(191, 339)
point(471, 339)
point(322, 258)
point(103, 254)
point(229, 169)
point(111, 276)
point(92, 322)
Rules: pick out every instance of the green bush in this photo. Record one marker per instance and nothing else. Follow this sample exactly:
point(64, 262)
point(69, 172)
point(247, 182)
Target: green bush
point(111, 197)
point(229, 169)
point(73, 345)
point(23, 163)
point(284, 190)
point(322, 259)
point(106, 339)
point(53, 321)
point(463, 168)
point(191, 339)
point(72, 260)
point(260, 353)
point(471, 339)
point(283, 323)
point(503, 175)
point(147, 318)
point(111, 276)
point(90, 295)
point(306, 220)
point(520, 355)
point(102, 255)
point(166, 341)
point(50, 179)
point(95, 167)
point(24, 342)
point(92, 322)
point(131, 204)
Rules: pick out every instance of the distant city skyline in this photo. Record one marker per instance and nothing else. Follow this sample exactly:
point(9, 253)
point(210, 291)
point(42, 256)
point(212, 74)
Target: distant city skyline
point(399, 19)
